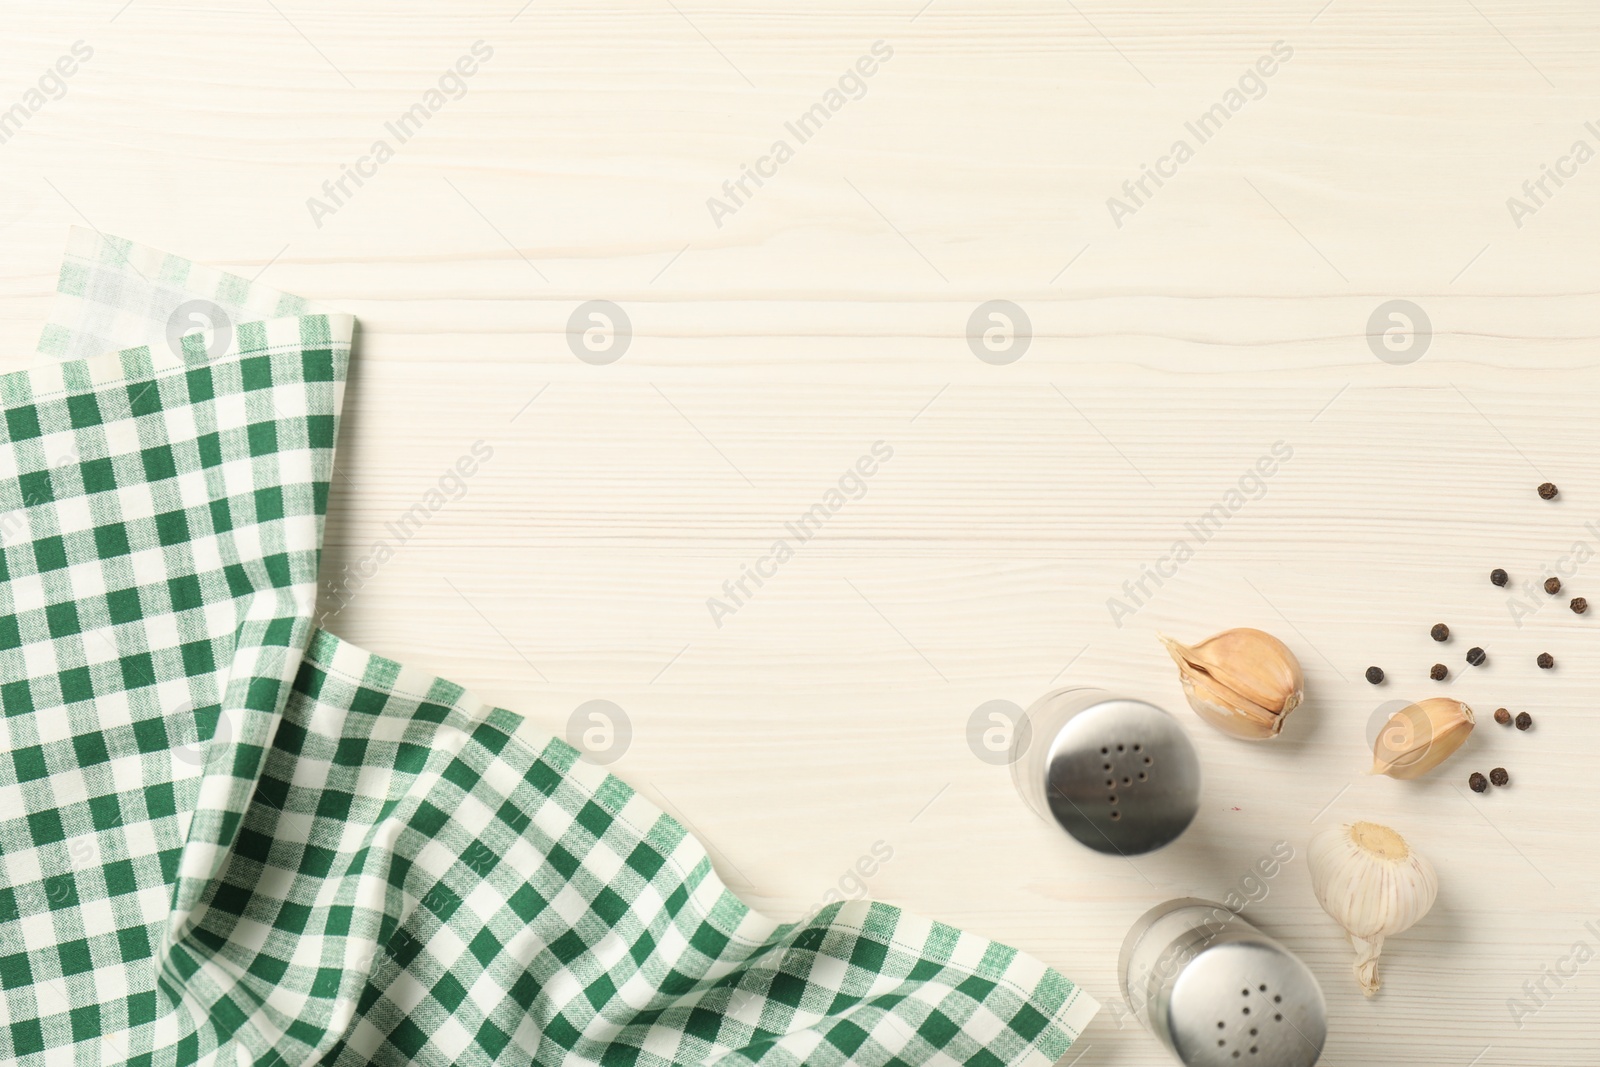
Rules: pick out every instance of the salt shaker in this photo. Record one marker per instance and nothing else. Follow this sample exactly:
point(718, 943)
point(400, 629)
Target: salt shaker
point(1118, 774)
point(1217, 992)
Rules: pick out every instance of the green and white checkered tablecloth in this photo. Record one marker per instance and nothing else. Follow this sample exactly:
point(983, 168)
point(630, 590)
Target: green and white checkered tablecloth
point(228, 837)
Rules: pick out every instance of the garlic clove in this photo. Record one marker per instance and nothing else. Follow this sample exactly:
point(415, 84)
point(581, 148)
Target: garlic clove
point(1226, 711)
point(1242, 681)
point(1420, 736)
point(1374, 884)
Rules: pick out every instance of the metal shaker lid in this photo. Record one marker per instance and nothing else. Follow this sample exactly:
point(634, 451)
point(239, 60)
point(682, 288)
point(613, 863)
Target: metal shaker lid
point(1120, 775)
point(1217, 992)
point(1246, 1002)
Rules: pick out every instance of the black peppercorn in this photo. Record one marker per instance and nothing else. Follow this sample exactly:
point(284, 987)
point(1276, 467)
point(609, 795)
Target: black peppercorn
point(1524, 720)
point(1375, 675)
point(1499, 776)
point(1476, 656)
point(1502, 716)
point(1499, 577)
point(1552, 586)
point(1579, 605)
point(1440, 632)
point(1546, 660)
point(1439, 672)
point(1478, 782)
point(1548, 490)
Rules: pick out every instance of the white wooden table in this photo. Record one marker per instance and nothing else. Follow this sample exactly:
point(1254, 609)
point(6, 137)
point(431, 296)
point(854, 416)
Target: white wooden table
point(828, 311)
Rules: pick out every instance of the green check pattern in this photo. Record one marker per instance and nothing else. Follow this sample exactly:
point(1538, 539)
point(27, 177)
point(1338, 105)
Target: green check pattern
point(227, 837)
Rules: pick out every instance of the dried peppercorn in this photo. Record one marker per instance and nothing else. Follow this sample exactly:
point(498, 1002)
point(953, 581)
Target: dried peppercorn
point(1548, 490)
point(1439, 672)
point(1440, 632)
point(1524, 720)
point(1502, 716)
point(1499, 577)
point(1546, 660)
point(1476, 656)
point(1579, 605)
point(1478, 782)
point(1499, 776)
point(1375, 675)
point(1552, 586)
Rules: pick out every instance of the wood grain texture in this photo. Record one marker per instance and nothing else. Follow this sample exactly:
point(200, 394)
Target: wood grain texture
point(828, 312)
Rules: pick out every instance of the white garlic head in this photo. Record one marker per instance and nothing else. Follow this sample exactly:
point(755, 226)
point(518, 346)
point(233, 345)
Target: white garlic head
point(1374, 884)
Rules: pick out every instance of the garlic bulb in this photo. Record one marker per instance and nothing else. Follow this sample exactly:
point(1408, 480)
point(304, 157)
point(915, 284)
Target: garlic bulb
point(1244, 682)
point(1420, 736)
point(1373, 884)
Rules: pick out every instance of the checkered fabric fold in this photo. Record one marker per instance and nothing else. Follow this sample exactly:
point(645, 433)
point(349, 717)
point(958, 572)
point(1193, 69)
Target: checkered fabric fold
point(227, 837)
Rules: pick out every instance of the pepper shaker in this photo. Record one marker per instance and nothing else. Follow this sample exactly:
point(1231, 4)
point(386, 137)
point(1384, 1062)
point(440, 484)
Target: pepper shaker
point(1217, 992)
point(1118, 774)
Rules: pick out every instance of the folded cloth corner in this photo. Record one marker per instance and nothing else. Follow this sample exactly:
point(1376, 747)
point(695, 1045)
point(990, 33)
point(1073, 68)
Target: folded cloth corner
point(229, 837)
